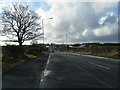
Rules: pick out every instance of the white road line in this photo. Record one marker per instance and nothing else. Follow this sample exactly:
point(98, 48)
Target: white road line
point(99, 65)
point(43, 73)
point(99, 80)
point(48, 59)
point(101, 57)
point(96, 57)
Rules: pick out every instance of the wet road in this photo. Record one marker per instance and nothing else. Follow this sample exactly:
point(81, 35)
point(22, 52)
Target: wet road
point(78, 71)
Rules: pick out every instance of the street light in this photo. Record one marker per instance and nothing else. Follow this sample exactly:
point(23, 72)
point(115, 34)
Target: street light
point(66, 42)
point(43, 27)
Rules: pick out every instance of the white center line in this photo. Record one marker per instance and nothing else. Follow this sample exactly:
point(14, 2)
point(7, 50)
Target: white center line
point(99, 65)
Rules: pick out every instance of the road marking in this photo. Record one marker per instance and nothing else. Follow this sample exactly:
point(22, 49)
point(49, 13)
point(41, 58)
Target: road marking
point(99, 65)
point(101, 57)
point(75, 54)
point(99, 80)
point(48, 59)
point(43, 73)
point(96, 57)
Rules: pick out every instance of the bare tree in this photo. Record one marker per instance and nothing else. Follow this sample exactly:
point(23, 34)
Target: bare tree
point(34, 41)
point(20, 23)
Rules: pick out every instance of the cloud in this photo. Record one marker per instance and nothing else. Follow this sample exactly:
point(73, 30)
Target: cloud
point(106, 30)
point(87, 33)
point(80, 21)
point(101, 7)
point(1, 26)
point(109, 18)
point(67, 19)
point(108, 25)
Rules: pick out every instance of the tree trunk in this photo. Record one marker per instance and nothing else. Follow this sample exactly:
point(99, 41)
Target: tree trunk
point(19, 40)
point(20, 43)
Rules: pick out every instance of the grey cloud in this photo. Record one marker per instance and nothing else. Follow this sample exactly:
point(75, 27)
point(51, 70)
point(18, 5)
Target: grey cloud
point(80, 22)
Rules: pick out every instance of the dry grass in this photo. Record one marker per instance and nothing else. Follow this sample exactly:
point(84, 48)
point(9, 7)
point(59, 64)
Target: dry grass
point(113, 51)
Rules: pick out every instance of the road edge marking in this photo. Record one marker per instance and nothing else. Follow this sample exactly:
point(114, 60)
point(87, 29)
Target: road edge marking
point(99, 65)
point(42, 75)
point(101, 57)
point(97, 57)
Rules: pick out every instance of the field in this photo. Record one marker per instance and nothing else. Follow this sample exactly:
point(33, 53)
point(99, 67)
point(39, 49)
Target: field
point(112, 51)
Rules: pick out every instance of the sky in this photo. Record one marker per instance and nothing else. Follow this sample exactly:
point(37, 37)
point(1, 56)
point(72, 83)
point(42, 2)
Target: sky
point(82, 22)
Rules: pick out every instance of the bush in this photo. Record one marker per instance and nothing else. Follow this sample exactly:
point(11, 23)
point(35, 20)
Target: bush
point(13, 51)
point(34, 49)
point(17, 52)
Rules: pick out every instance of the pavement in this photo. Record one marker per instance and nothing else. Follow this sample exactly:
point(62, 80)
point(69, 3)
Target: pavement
point(26, 75)
point(64, 70)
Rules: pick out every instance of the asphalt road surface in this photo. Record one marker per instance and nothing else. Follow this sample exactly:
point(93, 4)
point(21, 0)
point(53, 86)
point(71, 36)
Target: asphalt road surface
point(65, 70)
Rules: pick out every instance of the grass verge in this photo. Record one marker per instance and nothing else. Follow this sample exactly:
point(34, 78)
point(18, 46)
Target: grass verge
point(12, 62)
point(109, 55)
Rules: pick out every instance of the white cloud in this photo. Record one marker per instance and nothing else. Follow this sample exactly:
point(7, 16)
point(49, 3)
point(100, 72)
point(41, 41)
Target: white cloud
point(109, 18)
point(78, 20)
point(101, 7)
point(108, 25)
point(107, 30)
point(87, 33)
point(67, 18)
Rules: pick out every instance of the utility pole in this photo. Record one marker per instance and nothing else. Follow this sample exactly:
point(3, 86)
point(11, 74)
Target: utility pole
point(43, 30)
point(66, 42)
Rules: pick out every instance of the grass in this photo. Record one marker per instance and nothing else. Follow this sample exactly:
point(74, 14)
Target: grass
point(12, 63)
point(7, 66)
point(13, 56)
point(30, 56)
point(113, 51)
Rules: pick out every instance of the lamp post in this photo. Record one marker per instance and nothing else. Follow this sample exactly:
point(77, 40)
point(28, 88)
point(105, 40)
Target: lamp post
point(66, 42)
point(43, 27)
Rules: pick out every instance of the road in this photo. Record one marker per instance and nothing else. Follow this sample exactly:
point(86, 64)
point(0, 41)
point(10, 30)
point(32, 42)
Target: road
point(65, 70)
